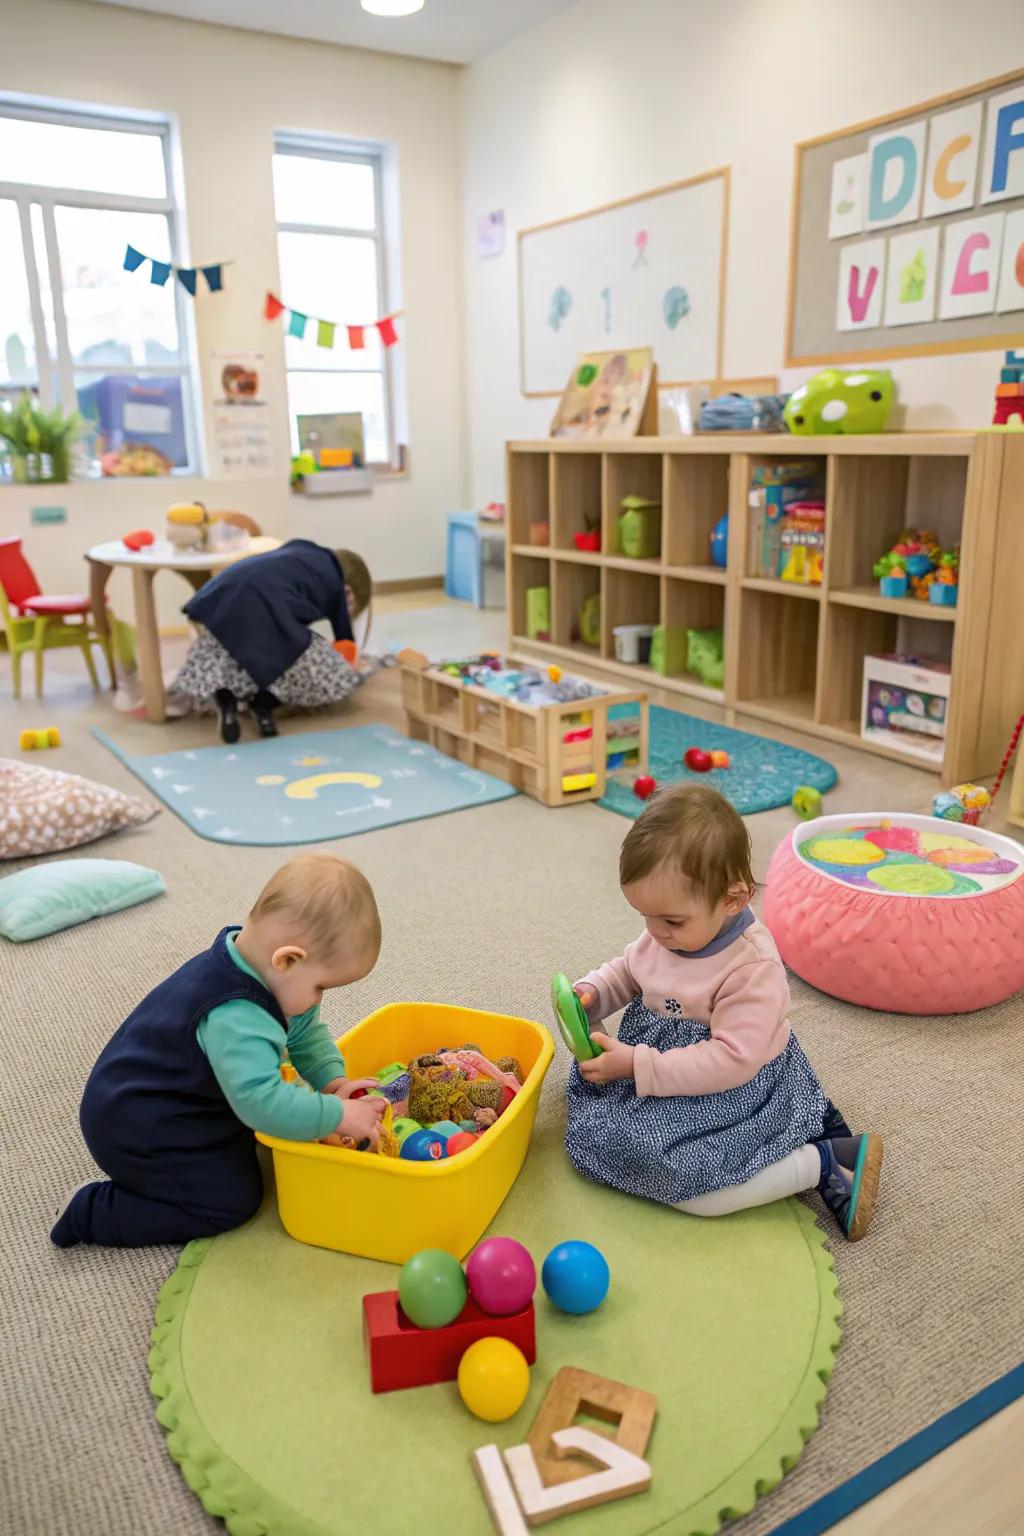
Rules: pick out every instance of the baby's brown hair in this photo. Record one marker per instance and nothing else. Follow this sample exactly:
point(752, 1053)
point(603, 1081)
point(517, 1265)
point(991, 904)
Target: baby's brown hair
point(329, 901)
point(693, 830)
point(357, 576)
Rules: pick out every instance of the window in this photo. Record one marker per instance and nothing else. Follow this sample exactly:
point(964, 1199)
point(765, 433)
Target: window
point(331, 253)
point(75, 327)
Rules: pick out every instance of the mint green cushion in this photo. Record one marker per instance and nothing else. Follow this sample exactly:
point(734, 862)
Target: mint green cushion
point(49, 897)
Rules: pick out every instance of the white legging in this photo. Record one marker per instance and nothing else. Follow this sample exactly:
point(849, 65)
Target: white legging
point(790, 1176)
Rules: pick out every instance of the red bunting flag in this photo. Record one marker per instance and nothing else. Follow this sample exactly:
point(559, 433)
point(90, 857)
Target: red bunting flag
point(272, 308)
point(388, 334)
point(356, 339)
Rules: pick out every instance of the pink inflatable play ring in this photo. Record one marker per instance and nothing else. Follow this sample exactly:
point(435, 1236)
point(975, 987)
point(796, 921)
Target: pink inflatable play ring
point(904, 913)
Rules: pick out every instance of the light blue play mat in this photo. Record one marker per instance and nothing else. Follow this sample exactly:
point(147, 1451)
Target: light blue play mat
point(310, 788)
point(762, 774)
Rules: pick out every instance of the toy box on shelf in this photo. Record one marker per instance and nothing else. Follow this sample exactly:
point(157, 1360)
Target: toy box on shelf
point(905, 702)
point(775, 488)
point(555, 737)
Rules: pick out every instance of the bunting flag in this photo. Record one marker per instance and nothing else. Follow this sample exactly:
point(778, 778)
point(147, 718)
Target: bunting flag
point(326, 329)
point(160, 271)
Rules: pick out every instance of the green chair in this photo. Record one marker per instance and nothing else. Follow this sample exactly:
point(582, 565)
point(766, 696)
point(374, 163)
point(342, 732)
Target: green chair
point(35, 623)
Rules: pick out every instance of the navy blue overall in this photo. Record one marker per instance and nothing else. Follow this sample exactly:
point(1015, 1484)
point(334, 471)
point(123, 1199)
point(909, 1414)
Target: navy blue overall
point(180, 1162)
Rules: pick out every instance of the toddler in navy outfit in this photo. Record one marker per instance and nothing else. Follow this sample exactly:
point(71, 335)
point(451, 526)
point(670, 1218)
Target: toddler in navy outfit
point(171, 1105)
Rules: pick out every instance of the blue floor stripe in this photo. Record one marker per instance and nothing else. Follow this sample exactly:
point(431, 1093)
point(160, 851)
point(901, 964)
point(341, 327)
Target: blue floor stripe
point(840, 1502)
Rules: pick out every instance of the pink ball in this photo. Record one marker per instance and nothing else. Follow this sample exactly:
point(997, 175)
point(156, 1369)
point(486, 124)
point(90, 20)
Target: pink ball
point(501, 1276)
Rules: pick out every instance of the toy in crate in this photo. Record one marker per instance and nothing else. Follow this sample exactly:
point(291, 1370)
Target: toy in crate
point(387, 1207)
point(553, 736)
point(917, 566)
point(905, 702)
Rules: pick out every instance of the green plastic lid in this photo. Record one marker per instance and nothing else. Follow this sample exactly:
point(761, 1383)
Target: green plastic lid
point(572, 1020)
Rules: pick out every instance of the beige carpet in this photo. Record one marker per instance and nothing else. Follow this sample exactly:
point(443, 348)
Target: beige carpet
point(479, 907)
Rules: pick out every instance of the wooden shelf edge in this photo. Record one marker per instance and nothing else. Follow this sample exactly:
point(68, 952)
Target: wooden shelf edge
point(905, 607)
point(783, 588)
point(764, 444)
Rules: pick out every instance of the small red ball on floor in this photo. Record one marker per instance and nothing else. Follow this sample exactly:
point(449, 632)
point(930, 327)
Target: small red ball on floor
point(644, 786)
point(697, 759)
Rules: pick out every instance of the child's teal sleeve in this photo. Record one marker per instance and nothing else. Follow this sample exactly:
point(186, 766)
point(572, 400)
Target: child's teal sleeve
point(312, 1051)
point(244, 1046)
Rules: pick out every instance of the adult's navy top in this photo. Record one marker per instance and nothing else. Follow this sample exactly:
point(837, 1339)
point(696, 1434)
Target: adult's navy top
point(260, 609)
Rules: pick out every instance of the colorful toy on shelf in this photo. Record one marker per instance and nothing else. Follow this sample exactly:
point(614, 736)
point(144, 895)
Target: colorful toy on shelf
point(839, 400)
point(719, 542)
point(806, 802)
point(187, 525)
point(720, 759)
point(139, 538)
point(639, 528)
point(697, 760)
point(432, 1288)
point(538, 613)
point(1009, 402)
point(802, 543)
point(493, 1378)
point(966, 803)
point(668, 650)
point(576, 1277)
point(774, 487)
point(644, 786)
point(705, 655)
point(918, 563)
point(38, 741)
point(945, 588)
point(400, 1356)
point(501, 1276)
point(590, 620)
point(572, 1021)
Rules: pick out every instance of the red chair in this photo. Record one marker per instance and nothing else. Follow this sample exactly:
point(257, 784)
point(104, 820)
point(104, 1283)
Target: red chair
point(36, 623)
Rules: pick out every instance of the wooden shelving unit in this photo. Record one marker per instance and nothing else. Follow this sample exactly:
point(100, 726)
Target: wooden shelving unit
point(793, 655)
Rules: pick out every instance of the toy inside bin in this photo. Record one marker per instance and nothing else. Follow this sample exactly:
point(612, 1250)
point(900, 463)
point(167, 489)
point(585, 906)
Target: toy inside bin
point(387, 1208)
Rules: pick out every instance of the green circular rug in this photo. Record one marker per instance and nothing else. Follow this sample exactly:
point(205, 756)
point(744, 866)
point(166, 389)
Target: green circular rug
point(257, 1362)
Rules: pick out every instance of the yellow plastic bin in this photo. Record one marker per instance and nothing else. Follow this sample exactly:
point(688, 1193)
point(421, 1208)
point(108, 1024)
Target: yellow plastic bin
point(386, 1208)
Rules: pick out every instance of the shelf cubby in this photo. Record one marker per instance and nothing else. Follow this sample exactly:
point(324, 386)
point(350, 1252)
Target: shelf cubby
point(576, 503)
point(529, 494)
point(794, 655)
point(630, 597)
point(629, 474)
point(778, 648)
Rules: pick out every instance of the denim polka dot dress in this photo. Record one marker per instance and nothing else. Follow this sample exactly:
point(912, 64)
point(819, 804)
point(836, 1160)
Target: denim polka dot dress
point(674, 1148)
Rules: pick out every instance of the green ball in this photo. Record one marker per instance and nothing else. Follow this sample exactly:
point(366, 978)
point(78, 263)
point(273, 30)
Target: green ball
point(432, 1288)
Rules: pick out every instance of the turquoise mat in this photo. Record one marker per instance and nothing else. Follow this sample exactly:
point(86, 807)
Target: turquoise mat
point(762, 775)
point(310, 788)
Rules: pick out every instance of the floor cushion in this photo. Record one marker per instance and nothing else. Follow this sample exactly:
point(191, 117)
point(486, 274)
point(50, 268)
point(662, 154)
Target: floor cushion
point(48, 897)
point(45, 811)
point(899, 912)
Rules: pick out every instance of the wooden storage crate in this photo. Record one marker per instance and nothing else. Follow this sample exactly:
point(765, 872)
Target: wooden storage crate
point(525, 744)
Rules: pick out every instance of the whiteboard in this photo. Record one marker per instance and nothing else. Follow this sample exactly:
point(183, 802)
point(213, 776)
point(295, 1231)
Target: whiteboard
point(644, 272)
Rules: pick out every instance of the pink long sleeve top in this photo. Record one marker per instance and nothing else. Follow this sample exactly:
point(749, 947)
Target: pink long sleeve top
point(738, 988)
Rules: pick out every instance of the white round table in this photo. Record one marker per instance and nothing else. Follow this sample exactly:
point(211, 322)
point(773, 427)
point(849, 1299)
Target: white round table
point(197, 566)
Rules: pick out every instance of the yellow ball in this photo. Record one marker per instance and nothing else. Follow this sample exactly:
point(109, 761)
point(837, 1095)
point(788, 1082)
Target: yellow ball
point(555, 673)
point(494, 1379)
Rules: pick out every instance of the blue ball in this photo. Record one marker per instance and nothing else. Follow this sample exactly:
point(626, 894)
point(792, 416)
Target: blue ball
point(424, 1147)
point(576, 1277)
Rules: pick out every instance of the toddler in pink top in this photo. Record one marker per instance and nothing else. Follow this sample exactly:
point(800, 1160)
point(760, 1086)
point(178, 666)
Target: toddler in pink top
point(705, 1100)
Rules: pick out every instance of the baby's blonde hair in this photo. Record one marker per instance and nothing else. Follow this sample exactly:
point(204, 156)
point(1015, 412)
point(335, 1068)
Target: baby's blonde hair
point(328, 900)
point(694, 831)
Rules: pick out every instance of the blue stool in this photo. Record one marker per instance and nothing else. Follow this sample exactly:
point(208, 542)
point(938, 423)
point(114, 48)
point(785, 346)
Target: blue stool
point(466, 554)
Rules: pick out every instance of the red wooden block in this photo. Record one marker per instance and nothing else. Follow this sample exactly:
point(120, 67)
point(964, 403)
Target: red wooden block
point(402, 1355)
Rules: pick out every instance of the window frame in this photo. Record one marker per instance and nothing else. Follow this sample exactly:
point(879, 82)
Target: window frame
point(26, 194)
point(354, 152)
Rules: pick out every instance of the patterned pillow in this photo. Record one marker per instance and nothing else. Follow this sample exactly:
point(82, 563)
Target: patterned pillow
point(43, 811)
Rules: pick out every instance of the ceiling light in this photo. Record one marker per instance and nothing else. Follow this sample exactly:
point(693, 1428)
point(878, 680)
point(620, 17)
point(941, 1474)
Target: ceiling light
point(392, 7)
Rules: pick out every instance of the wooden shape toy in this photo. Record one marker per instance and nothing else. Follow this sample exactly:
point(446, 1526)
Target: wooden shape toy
point(400, 1355)
point(498, 1492)
point(621, 1474)
point(573, 1391)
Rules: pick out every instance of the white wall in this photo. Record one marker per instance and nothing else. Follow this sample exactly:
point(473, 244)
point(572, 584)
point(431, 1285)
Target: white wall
point(228, 91)
point(618, 96)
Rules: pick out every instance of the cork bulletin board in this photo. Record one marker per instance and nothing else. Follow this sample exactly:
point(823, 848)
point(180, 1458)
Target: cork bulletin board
point(908, 231)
